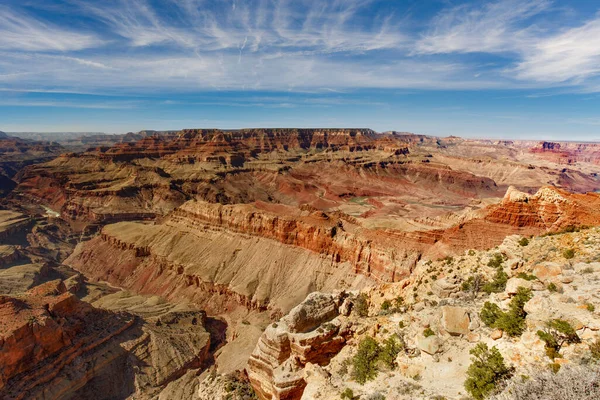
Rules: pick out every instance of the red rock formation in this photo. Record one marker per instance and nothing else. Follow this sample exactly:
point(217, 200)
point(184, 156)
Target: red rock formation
point(46, 329)
point(275, 368)
point(568, 153)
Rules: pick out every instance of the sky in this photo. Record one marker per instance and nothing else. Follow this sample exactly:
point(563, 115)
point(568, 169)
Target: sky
point(496, 69)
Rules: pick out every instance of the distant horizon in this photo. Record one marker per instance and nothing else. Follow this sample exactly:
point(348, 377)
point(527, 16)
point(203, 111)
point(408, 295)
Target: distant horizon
point(83, 133)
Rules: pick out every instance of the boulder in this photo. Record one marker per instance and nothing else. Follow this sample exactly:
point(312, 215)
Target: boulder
point(514, 283)
point(497, 334)
point(546, 271)
point(430, 345)
point(315, 310)
point(443, 288)
point(455, 320)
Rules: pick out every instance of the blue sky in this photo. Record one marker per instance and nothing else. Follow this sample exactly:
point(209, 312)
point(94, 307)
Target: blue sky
point(500, 69)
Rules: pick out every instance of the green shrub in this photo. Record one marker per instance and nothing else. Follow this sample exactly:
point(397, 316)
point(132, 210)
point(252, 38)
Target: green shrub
point(527, 277)
point(590, 307)
point(386, 305)
point(399, 301)
point(473, 284)
point(486, 372)
point(361, 305)
point(595, 350)
point(554, 367)
point(364, 362)
point(428, 332)
point(498, 284)
point(569, 254)
point(524, 242)
point(471, 252)
point(496, 261)
point(347, 394)
point(390, 350)
point(511, 322)
point(556, 333)
point(552, 287)
point(490, 313)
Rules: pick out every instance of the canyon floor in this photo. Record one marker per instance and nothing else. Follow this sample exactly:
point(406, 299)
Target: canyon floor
point(209, 264)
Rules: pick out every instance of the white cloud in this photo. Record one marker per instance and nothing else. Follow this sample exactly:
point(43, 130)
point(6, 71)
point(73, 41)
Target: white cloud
point(22, 32)
point(223, 72)
point(571, 55)
point(324, 26)
point(491, 28)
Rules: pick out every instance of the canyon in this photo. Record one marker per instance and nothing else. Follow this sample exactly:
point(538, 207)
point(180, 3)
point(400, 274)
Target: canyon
point(203, 263)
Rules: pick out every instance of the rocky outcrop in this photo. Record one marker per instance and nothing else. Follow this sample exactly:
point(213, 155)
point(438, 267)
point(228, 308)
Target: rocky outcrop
point(568, 153)
point(45, 330)
point(55, 346)
point(310, 333)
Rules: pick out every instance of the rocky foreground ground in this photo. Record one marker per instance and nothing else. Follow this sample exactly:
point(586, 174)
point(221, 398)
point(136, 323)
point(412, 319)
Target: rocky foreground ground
point(435, 318)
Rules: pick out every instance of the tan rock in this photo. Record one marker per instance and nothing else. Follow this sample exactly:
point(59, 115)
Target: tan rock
point(443, 288)
point(455, 320)
point(430, 345)
point(546, 271)
point(514, 283)
point(497, 334)
point(473, 337)
point(566, 279)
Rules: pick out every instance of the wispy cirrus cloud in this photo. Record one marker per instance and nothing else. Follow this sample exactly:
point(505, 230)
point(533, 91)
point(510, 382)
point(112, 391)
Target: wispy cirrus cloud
point(254, 25)
point(483, 27)
point(22, 32)
point(573, 54)
point(293, 45)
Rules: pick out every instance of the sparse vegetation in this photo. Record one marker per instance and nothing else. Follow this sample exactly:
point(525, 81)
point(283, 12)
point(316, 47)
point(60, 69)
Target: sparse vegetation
point(496, 261)
point(568, 229)
point(595, 350)
point(498, 283)
point(473, 285)
point(486, 372)
point(428, 332)
point(554, 367)
point(361, 305)
point(590, 307)
point(347, 394)
point(390, 350)
point(511, 322)
point(364, 362)
point(524, 242)
point(570, 383)
point(238, 388)
point(527, 277)
point(569, 254)
point(552, 287)
point(386, 305)
point(556, 333)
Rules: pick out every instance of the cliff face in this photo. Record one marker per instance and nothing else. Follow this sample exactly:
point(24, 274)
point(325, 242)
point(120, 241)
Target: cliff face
point(275, 368)
point(55, 346)
point(568, 153)
point(264, 256)
point(157, 173)
point(45, 330)
point(190, 257)
point(17, 153)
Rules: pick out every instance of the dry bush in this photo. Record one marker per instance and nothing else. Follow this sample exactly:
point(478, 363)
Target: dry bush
point(570, 383)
